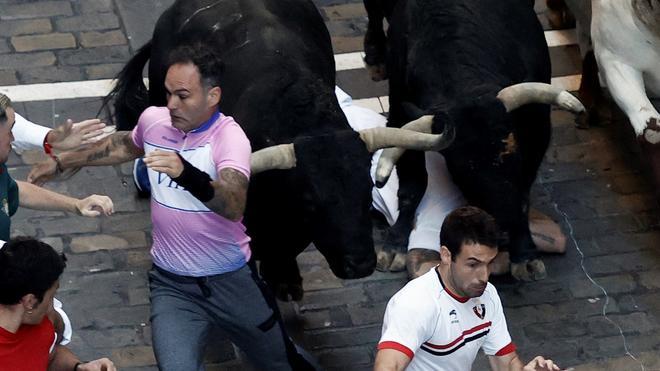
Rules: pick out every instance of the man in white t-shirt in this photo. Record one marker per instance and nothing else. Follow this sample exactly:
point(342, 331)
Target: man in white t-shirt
point(440, 320)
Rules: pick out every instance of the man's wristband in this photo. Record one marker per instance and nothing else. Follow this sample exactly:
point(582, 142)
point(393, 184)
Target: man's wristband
point(75, 367)
point(195, 181)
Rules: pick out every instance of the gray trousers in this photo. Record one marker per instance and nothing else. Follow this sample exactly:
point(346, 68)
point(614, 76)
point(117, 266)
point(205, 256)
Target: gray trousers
point(185, 309)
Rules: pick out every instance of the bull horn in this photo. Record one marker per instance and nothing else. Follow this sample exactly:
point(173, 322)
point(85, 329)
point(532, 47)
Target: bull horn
point(275, 157)
point(378, 138)
point(390, 156)
point(518, 95)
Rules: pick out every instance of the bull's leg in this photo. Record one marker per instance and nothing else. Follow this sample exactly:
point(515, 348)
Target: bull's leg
point(558, 14)
point(626, 84)
point(412, 183)
point(375, 41)
point(283, 278)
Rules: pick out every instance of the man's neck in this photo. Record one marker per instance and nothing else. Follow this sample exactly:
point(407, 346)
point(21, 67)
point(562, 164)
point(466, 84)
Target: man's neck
point(443, 270)
point(11, 317)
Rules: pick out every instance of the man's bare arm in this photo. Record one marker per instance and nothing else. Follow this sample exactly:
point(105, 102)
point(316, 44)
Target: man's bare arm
point(391, 360)
point(511, 362)
point(230, 194)
point(114, 149)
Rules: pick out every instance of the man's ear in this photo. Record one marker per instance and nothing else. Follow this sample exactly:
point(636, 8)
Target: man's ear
point(445, 255)
point(213, 96)
point(29, 302)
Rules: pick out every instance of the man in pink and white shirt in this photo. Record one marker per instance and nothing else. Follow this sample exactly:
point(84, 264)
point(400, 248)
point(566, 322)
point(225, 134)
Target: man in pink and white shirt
point(440, 320)
point(199, 168)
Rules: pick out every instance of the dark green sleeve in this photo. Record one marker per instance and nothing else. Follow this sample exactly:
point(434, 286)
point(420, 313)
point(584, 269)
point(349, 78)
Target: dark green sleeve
point(12, 196)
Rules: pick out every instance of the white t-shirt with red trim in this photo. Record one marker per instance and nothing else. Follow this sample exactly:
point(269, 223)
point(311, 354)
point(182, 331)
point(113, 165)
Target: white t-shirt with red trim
point(440, 331)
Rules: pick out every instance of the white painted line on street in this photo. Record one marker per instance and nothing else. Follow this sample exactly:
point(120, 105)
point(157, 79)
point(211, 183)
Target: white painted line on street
point(560, 37)
point(570, 83)
point(349, 61)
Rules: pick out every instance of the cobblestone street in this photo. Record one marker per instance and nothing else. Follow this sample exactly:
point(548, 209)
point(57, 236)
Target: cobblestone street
point(599, 308)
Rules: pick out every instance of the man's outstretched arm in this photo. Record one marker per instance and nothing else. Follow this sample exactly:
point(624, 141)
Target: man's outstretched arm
point(511, 362)
point(114, 149)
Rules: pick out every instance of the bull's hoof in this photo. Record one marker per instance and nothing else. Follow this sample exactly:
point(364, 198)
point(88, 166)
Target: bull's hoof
point(288, 292)
point(519, 272)
point(377, 72)
point(398, 263)
point(529, 270)
point(384, 260)
point(537, 270)
point(420, 261)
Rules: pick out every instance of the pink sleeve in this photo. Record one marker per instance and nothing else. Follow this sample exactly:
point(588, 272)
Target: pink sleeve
point(233, 149)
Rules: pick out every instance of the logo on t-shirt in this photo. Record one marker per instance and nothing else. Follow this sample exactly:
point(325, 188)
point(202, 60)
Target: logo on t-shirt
point(479, 310)
point(453, 316)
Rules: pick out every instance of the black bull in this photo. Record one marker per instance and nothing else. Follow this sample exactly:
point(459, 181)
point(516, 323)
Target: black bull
point(450, 59)
point(279, 86)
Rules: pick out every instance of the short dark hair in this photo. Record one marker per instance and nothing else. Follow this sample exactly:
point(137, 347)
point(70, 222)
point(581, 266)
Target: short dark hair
point(469, 225)
point(5, 103)
point(209, 64)
point(28, 266)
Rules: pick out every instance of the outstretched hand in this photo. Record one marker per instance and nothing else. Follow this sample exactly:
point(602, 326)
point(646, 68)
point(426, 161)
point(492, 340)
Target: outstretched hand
point(95, 205)
point(541, 364)
point(102, 364)
point(42, 172)
point(71, 136)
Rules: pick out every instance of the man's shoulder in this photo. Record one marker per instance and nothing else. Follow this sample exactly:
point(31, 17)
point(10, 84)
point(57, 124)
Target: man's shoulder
point(422, 289)
point(154, 114)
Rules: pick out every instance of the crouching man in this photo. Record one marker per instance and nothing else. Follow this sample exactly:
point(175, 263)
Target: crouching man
point(440, 320)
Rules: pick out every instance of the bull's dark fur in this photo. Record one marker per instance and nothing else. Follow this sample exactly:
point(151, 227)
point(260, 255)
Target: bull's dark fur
point(279, 86)
point(451, 58)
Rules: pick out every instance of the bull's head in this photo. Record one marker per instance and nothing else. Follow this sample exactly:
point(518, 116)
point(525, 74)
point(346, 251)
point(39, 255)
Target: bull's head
point(337, 190)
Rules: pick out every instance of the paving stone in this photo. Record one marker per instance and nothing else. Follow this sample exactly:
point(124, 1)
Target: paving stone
point(348, 357)
point(338, 338)
point(100, 261)
point(568, 60)
point(551, 330)
point(635, 261)
point(134, 356)
point(539, 293)
point(26, 60)
point(139, 18)
point(8, 77)
point(573, 310)
point(382, 291)
point(358, 85)
point(138, 260)
point(24, 27)
point(629, 323)
point(87, 22)
point(93, 39)
point(644, 361)
point(346, 44)
point(615, 284)
point(51, 74)
point(333, 317)
point(329, 298)
point(4, 46)
point(103, 54)
point(104, 71)
point(126, 222)
point(55, 112)
point(345, 12)
point(648, 302)
point(320, 279)
point(55, 242)
point(58, 227)
point(43, 42)
point(126, 240)
point(138, 296)
point(610, 346)
point(112, 337)
point(104, 317)
point(96, 6)
point(650, 280)
point(367, 314)
point(36, 10)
